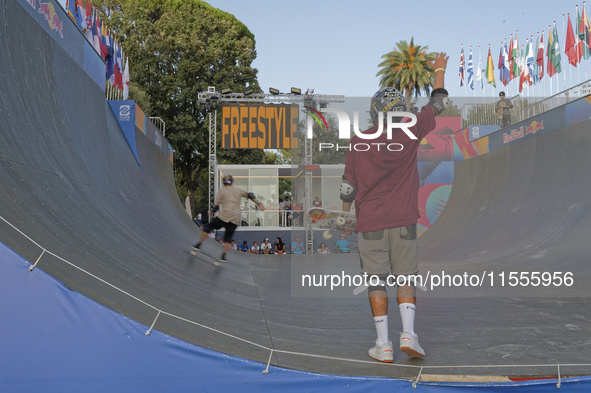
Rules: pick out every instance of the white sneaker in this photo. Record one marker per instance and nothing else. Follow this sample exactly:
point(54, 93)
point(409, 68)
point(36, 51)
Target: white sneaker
point(382, 353)
point(409, 344)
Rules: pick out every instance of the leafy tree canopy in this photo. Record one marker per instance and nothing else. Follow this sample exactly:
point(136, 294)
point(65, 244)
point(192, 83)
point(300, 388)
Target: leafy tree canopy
point(176, 49)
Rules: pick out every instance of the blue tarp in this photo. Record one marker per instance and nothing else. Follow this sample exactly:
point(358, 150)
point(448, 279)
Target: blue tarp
point(56, 340)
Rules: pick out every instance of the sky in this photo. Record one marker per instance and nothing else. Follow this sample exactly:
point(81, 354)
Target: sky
point(335, 46)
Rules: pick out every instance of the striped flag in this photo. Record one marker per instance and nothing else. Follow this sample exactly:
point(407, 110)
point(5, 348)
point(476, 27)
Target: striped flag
point(490, 70)
point(470, 71)
point(550, 67)
point(583, 33)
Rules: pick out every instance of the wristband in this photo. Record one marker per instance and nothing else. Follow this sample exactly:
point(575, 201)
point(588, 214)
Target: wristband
point(440, 69)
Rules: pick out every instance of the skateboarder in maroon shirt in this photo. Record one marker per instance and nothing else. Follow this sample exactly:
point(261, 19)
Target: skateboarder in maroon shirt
point(384, 185)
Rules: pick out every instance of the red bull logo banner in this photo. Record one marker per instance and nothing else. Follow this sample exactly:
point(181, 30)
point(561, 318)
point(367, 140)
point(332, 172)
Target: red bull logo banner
point(530, 128)
point(260, 126)
point(48, 12)
point(522, 131)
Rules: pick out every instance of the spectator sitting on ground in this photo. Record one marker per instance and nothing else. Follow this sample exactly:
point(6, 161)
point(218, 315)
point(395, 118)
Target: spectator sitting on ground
point(266, 247)
point(233, 245)
point(296, 246)
point(279, 246)
point(323, 249)
point(244, 246)
point(342, 246)
point(255, 249)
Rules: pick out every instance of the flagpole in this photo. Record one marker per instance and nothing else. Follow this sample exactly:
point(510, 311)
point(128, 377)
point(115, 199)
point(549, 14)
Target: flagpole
point(564, 35)
point(549, 50)
point(577, 47)
point(585, 42)
point(480, 70)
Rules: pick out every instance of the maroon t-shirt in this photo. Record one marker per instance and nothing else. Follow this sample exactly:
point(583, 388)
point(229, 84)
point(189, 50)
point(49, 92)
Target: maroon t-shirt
point(387, 181)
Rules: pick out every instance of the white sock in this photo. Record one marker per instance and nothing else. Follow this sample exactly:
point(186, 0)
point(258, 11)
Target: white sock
point(382, 329)
point(407, 314)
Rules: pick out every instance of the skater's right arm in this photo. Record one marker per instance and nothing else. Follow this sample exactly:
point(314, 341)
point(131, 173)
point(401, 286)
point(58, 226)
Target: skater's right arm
point(251, 196)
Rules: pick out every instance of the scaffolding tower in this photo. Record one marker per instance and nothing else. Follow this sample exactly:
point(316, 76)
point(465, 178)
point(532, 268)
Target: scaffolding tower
point(211, 99)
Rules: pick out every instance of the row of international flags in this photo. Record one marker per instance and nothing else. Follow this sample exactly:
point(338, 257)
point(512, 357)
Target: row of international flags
point(102, 38)
point(526, 64)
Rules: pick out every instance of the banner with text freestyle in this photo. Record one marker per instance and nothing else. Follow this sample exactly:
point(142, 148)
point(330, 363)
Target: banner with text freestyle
point(260, 126)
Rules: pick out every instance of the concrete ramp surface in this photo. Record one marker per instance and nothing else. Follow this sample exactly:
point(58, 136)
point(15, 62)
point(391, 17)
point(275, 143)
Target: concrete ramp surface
point(75, 201)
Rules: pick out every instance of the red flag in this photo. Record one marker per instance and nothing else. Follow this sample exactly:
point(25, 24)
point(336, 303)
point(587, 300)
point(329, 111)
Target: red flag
point(540, 57)
point(550, 67)
point(569, 47)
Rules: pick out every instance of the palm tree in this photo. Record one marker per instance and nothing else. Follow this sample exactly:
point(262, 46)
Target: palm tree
point(408, 68)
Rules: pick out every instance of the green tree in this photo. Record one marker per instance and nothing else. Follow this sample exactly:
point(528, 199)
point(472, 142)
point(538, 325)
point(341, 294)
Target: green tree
point(176, 49)
point(408, 68)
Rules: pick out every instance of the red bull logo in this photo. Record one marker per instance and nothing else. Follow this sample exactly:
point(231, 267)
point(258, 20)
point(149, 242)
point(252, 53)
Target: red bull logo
point(48, 11)
point(522, 131)
point(534, 127)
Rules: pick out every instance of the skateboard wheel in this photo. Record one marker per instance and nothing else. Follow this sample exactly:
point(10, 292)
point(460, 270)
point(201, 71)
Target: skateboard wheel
point(340, 221)
point(326, 235)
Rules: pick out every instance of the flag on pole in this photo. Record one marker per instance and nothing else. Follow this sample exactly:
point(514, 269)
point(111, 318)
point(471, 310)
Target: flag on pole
point(510, 53)
point(555, 52)
point(89, 35)
point(480, 71)
point(81, 8)
point(70, 8)
point(515, 59)
point(530, 62)
point(522, 69)
point(490, 70)
point(549, 50)
point(583, 33)
point(569, 44)
point(461, 70)
point(504, 73)
point(578, 40)
point(540, 57)
point(470, 71)
point(500, 63)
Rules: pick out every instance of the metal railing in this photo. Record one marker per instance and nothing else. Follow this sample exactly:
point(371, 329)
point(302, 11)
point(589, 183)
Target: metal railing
point(160, 124)
point(482, 111)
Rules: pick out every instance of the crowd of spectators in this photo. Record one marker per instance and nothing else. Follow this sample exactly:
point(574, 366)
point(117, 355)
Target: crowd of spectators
point(277, 246)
